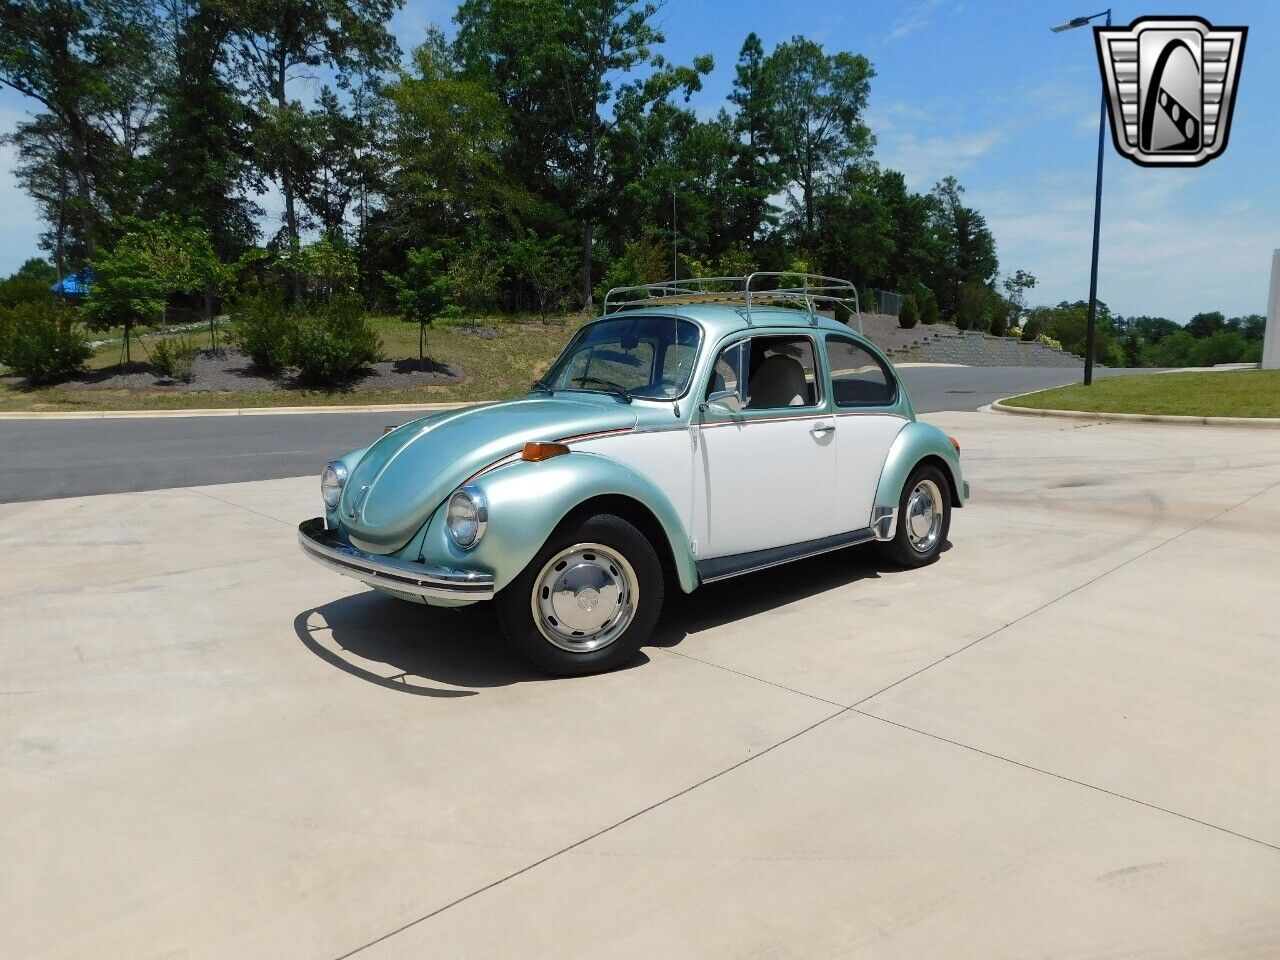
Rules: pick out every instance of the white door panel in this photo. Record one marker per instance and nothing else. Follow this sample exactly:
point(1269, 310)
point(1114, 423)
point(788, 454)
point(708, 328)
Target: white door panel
point(863, 442)
point(763, 483)
point(664, 457)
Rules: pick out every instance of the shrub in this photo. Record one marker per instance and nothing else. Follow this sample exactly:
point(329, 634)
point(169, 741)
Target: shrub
point(1049, 342)
point(40, 342)
point(997, 315)
point(175, 358)
point(332, 344)
point(972, 304)
point(260, 326)
point(843, 312)
point(910, 314)
point(929, 314)
point(30, 284)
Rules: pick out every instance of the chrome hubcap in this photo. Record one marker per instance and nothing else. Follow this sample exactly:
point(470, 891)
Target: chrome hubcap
point(924, 516)
point(585, 597)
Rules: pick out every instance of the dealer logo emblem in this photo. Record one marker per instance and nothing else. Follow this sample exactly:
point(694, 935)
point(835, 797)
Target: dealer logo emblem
point(1171, 86)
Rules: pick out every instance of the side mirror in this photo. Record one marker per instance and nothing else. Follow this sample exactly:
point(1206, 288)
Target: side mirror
point(729, 401)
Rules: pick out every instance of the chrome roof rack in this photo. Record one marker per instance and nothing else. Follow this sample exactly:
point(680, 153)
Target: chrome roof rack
point(808, 291)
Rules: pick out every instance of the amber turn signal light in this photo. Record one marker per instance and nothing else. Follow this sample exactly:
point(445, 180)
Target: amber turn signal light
point(955, 443)
point(534, 452)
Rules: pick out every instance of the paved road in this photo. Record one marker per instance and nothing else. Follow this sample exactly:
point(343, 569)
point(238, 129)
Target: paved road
point(41, 459)
point(1057, 742)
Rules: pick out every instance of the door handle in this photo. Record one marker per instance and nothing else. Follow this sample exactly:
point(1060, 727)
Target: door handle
point(819, 429)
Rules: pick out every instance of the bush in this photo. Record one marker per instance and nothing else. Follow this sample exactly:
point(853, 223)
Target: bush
point(40, 342)
point(910, 314)
point(174, 358)
point(334, 343)
point(30, 284)
point(260, 326)
point(929, 313)
point(972, 305)
point(997, 315)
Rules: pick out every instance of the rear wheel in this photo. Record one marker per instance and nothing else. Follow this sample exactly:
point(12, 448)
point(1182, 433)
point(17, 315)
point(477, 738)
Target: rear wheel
point(924, 519)
point(587, 601)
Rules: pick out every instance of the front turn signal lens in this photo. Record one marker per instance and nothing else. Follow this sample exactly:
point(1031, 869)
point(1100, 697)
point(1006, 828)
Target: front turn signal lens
point(535, 452)
point(956, 444)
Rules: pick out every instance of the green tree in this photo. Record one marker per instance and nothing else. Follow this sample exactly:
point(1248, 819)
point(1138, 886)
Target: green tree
point(545, 268)
point(151, 261)
point(270, 43)
point(90, 66)
point(967, 251)
point(556, 65)
point(1206, 324)
point(758, 173)
point(448, 142)
point(471, 281)
point(816, 116)
point(200, 162)
point(28, 284)
point(420, 292)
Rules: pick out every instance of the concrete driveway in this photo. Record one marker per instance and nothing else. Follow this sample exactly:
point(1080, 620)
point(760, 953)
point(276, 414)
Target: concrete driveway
point(1059, 741)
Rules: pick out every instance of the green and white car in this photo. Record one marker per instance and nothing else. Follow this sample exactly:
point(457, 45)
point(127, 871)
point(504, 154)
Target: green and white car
point(692, 433)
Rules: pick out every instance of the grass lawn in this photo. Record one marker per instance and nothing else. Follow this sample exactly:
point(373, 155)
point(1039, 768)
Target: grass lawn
point(495, 368)
point(1247, 393)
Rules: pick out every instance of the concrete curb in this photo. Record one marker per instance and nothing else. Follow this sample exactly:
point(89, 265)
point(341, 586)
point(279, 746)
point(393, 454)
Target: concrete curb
point(1000, 406)
point(229, 412)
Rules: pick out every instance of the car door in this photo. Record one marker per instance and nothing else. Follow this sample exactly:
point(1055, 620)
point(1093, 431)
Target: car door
point(765, 473)
point(863, 394)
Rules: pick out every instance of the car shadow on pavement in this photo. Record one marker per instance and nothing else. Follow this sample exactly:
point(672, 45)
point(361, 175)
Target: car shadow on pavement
point(410, 647)
point(755, 593)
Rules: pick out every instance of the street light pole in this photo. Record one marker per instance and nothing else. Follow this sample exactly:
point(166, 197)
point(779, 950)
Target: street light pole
point(1091, 330)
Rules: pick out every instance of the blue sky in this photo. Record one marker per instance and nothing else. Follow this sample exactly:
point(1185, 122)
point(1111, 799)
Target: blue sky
point(985, 91)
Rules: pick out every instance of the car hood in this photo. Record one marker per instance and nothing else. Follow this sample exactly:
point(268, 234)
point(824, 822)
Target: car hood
point(407, 474)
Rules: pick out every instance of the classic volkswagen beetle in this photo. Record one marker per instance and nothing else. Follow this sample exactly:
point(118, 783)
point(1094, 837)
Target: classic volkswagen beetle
point(679, 439)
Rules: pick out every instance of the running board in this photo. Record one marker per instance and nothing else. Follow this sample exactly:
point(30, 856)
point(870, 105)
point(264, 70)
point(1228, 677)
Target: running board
point(721, 568)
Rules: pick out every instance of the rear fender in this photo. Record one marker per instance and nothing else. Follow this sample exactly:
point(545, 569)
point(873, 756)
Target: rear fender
point(918, 441)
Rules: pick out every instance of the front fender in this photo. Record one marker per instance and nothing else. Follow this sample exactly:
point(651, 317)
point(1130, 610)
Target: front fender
point(528, 500)
point(914, 443)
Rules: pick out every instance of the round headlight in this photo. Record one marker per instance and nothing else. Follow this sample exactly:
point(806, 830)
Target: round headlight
point(332, 481)
point(467, 517)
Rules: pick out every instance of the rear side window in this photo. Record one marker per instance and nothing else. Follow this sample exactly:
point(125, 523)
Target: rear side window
point(858, 378)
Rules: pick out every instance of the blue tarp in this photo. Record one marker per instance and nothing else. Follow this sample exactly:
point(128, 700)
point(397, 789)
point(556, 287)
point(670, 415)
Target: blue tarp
point(75, 285)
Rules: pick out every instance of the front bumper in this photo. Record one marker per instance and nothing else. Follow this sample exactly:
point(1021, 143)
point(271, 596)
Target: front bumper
point(419, 579)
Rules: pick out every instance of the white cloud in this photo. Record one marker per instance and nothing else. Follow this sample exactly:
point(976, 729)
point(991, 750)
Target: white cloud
point(926, 160)
point(915, 17)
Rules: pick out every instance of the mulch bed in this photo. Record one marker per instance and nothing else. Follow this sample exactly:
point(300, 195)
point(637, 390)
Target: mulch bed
point(232, 370)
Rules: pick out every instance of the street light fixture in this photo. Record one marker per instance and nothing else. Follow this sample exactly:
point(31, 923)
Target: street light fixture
point(1091, 330)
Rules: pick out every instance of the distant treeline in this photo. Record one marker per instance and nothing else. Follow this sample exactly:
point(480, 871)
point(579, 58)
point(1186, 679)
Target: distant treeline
point(544, 153)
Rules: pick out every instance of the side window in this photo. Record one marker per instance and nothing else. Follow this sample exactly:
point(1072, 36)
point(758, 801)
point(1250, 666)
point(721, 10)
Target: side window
point(771, 373)
point(858, 378)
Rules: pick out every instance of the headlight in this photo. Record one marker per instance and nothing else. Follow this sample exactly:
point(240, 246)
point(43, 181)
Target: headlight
point(467, 517)
point(332, 480)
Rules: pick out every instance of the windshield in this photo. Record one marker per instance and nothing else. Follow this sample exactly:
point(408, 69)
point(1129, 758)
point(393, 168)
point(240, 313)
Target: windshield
point(644, 356)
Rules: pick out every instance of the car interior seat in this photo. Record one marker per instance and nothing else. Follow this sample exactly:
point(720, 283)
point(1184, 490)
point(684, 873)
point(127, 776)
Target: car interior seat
point(778, 382)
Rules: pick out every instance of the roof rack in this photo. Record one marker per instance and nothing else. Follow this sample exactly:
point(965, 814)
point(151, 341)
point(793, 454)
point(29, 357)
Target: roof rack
point(810, 291)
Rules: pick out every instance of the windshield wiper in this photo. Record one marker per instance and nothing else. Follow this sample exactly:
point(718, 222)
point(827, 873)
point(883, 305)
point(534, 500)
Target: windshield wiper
point(609, 386)
point(541, 386)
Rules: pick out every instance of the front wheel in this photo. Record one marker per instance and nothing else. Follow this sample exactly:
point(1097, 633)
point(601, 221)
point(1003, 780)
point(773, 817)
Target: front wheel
point(924, 518)
point(587, 601)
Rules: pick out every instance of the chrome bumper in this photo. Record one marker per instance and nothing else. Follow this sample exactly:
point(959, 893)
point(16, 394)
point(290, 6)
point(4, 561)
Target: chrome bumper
point(391, 574)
